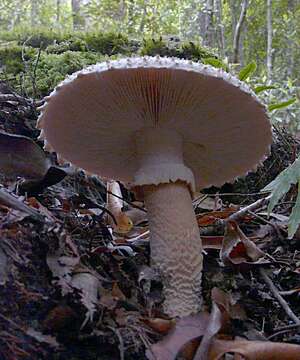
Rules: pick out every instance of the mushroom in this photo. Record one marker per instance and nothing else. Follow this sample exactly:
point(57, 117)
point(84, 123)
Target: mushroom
point(167, 127)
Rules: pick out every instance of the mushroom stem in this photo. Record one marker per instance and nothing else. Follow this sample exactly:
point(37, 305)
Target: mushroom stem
point(166, 185)
point(176, 247)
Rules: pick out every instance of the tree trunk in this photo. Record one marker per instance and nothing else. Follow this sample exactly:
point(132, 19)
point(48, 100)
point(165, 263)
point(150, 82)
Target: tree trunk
point(33, 13)
point(58, 4)
point(269, 40)
point(208, 33)
point(78, 22)
point(238, 30)
point(220, 27)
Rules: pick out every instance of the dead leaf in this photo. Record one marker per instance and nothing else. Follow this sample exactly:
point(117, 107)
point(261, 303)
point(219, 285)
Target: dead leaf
point(227, 305)
point(14, 202)
point(209, 218)
point(254, 350)
point(205, 202)
point(213, 327)
point(237, 248)
point(54, 175)
point(117, 292)
point(162, 326)
point(21, 156)
point(186, 329)
point(62, 268)
point(89, 286)
point(33, 202)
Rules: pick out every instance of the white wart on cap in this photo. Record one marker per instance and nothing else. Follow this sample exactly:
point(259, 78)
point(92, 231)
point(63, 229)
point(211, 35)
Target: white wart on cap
point(167, 127)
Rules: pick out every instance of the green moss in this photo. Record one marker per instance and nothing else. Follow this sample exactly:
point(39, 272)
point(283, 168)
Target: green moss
point(152, 47)
point(53, 68)
point(109, 44)
point(13, 58)
point(174, 47)
point(52, 55)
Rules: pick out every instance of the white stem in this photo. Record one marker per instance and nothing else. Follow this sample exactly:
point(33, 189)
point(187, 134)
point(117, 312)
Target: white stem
point(175, 242)
point(176, 247)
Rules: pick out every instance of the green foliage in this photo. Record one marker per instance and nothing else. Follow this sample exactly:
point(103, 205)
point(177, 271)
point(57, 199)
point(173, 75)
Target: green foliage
point(216, 63)
point(247, 71)
point(174, 47)
point(281, 105)
point(40, 38)
point(193, 51)
point(107, 43)
point(260, 88)
point(53, 68)
point(152, 47)
point(280, 186)
point(14, 57)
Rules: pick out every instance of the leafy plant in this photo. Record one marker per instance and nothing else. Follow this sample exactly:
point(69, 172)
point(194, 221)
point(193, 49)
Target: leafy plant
point(217, 63)
point(281, 105)
point(247, 71)
point(280, 186)
point(260, 88)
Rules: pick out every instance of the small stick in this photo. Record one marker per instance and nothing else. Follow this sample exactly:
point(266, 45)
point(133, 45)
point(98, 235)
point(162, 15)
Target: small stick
point(287, 327)
point(11, 201)
point(280, 299)
point(239, 214)
point(278, 333)
point(127, 201)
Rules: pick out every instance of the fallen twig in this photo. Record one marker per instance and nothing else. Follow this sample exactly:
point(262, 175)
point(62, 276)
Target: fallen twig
point(280, 299)
point(11, 201)
point(239, 214)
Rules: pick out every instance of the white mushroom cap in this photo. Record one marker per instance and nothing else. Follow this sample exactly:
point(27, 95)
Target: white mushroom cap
point(93, 118)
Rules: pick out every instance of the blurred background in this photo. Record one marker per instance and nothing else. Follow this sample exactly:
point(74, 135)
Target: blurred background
point(41, 41)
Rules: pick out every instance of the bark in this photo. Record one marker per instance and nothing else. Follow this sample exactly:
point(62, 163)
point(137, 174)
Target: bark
point(78, 22)
point(220, 28)
point(238, 30)
point(33, 13)
point(58, 5)
point(269, 40)
point(208, 30)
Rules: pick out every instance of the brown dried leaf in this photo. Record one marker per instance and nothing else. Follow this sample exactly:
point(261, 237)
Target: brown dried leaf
point(237, 248)
point(254, 350)
point(227, 305)
point(187, 329)
point(162, 326)
point(21, 156)
point(213, 327)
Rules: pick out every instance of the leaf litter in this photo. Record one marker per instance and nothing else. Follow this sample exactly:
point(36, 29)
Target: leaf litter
point(75, 283)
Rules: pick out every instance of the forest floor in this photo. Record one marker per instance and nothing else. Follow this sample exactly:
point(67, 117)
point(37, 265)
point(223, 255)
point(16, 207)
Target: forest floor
point(72, 289)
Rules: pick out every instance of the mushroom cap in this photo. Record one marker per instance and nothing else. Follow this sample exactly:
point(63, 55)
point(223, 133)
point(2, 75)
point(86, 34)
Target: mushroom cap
point(93, 117)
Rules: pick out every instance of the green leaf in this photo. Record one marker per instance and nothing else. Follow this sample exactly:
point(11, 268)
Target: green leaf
point(281, 105)
point(247, 71)
point(294, 219)
point(215, 63)
point(261, 88)
point(282, 183)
